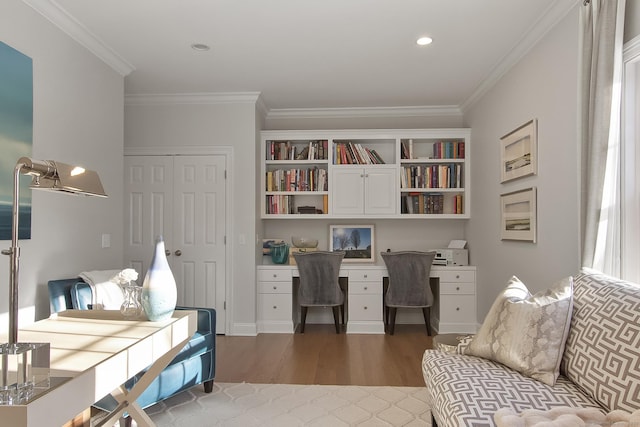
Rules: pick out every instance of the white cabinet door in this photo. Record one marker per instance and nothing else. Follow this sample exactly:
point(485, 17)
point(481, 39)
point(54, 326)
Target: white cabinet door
point(380, 190)
point(368, 190)
point(181, 198)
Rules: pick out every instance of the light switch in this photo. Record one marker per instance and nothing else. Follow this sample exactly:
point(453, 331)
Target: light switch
point(106, 240)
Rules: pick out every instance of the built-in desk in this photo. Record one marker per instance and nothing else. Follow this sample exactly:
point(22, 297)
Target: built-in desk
point(93, 352)
point(454, 291)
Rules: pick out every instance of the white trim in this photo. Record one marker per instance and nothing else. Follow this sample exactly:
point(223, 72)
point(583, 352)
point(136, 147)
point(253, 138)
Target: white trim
point(214, 150)
point(630, 159)
point(192, 98)
point(78, 32)
point(417, 111)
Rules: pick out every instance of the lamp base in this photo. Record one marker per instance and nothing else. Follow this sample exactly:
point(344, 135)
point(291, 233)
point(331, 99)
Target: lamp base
point(24, 369)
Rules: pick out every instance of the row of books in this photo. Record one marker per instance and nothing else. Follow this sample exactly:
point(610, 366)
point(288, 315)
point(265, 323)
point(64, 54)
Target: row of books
point(310, 179)
point(440, 150)
point(432, 176)
point(429, 203)
point(284, 205)
point(286, 150)
point(348, 153)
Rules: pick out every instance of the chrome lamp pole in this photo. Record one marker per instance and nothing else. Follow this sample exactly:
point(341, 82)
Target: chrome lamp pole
point(46, 175)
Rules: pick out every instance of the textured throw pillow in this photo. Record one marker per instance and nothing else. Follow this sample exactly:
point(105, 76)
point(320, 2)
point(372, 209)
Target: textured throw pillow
point(527, 332)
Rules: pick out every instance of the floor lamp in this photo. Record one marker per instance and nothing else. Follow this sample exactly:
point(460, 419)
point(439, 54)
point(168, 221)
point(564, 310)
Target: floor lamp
point(46, 175)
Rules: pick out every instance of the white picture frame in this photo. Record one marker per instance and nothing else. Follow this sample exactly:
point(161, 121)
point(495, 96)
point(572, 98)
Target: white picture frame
point(519, 152)
point(519, 218)
point(357, 241)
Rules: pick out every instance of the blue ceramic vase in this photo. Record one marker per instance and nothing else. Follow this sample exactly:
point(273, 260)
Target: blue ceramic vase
point(159, 292)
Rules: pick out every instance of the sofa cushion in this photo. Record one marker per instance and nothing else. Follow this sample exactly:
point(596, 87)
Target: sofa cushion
point(565, 417)
point(602, 353)
point(466, 390)
point(527, 332)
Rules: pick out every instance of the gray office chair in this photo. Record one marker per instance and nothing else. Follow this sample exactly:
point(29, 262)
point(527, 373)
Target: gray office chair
point(319, 287)
point(408, 284)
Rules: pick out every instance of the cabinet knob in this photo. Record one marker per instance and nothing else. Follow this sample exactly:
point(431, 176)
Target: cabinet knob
point(457, 308)
point(178, 252)
point(366, 287)
point(361, 175)
point(365, 276)
point(457, 288)
point(167, 252)
point(275, 307)
point(457, 276)
point(365, 307)
point(275, 287)
point(275, 275)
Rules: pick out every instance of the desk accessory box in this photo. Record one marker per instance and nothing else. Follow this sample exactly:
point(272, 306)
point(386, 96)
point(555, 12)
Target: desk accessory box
point(293, 250)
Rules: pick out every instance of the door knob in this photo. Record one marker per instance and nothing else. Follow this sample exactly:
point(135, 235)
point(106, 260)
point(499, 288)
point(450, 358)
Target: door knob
point(178, 252)
point(167, 252)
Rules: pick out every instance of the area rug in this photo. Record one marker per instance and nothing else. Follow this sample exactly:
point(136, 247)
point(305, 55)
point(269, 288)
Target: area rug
point(283, 405)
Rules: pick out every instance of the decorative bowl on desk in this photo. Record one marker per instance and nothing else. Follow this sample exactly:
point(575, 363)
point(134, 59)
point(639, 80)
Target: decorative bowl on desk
point(304, 242)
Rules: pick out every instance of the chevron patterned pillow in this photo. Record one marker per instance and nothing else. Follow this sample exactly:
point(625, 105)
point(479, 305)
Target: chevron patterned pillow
point(527, 332)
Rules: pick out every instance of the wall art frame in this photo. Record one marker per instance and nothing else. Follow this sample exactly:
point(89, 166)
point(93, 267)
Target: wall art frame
point(357, 241)
point(519, 215)
point(519, 152)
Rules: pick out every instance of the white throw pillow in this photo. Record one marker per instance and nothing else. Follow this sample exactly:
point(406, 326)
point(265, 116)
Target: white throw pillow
point(527, 332)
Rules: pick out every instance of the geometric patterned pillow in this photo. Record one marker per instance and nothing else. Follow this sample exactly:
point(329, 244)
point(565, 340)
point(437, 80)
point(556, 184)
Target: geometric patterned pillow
point(602, 353)
point(527, 332)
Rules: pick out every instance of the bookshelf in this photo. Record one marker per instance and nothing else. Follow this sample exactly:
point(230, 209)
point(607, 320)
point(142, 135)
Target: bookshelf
point(399, 173)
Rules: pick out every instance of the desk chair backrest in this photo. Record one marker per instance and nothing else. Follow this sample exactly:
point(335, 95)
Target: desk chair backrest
point(409, 273)
point(319, 275)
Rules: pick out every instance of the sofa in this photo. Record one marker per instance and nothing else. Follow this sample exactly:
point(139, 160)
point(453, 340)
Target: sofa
point(195, 364)
point(598, 360)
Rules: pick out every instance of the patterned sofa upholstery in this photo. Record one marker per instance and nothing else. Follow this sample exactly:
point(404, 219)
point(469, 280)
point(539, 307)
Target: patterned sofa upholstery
point(600, 367)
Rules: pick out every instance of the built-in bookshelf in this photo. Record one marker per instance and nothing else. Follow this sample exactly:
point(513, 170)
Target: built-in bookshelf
point(416, 173)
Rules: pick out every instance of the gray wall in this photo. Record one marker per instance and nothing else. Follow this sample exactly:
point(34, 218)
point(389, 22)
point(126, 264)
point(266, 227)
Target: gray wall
point(542, 86)
point(78, 118)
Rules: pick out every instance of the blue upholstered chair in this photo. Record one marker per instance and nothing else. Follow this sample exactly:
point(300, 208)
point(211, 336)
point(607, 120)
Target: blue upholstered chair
point(195, 364)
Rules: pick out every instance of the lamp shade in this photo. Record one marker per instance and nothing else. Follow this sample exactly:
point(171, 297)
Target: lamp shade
point(57, 176)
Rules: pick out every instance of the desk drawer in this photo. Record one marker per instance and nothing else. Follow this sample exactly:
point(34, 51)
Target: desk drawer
point(365, 275)
point(365, 307)
point(457, 276)
point(275, 307)
point(366, 288)
point(274, 287)
point(458, 309)
point(274, 275)
point(457, 288)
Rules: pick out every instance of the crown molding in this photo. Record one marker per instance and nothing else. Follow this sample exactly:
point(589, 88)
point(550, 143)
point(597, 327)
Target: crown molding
point(78, 32)
point(193, 98)
point(553, 15)
point(360, 112)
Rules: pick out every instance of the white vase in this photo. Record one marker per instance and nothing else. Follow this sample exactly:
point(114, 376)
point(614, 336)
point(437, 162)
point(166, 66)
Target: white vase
point(159, 292)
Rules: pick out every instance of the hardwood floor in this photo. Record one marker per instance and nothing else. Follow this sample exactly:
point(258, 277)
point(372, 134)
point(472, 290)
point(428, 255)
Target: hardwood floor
point(320, 356)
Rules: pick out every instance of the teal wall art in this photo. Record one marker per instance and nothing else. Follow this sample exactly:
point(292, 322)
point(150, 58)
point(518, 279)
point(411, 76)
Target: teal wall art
point(16, 135)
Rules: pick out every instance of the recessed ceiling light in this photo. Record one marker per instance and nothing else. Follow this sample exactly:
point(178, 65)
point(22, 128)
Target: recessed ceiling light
point(423, 41)
point(200, 47)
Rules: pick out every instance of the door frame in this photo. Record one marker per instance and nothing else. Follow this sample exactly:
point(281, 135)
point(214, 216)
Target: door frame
point(215, 150)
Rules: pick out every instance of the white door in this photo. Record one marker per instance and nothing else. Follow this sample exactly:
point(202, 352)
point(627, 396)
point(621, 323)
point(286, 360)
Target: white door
point(183, 199)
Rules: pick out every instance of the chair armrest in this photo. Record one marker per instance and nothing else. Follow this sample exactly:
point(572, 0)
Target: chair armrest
point(206, 318)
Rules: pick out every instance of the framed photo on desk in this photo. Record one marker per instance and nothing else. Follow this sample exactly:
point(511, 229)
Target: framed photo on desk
point(357, 241)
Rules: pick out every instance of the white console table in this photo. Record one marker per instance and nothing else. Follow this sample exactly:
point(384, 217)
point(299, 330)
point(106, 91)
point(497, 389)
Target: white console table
point(454, 291)
point(93, 352)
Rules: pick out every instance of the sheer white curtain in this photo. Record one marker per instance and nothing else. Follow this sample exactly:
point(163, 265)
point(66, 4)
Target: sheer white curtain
point(602, 30)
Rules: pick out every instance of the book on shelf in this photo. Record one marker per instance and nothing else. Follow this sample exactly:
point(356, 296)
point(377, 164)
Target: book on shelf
point(422, 203)
point(448, 150)
point(349, 153)
point(294, 179)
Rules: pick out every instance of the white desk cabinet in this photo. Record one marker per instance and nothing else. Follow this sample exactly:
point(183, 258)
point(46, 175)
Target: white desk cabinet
point(275, 300)
point(456, 307)
point(454, 310)
point(365, 312)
